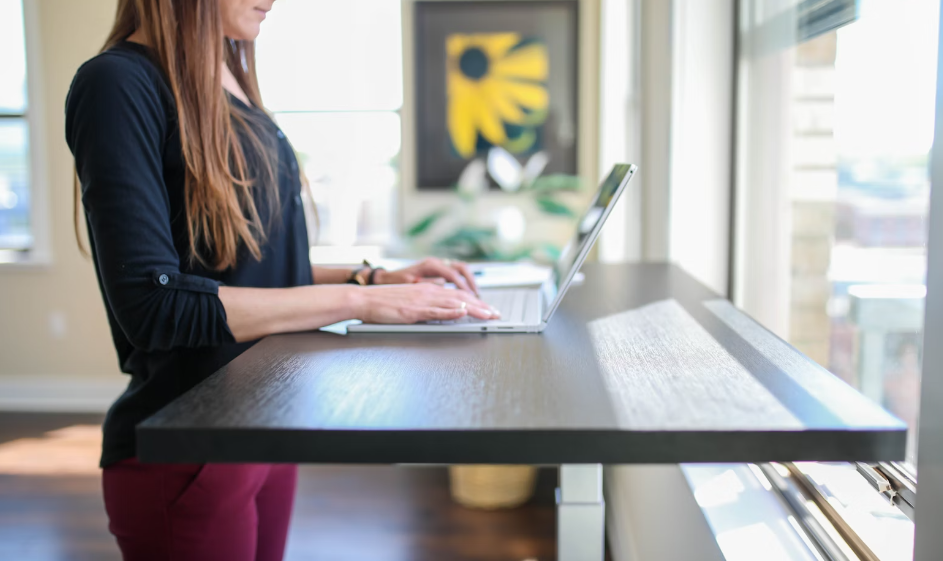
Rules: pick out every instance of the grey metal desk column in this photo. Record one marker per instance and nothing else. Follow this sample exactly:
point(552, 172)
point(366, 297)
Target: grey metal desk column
point(581, 513)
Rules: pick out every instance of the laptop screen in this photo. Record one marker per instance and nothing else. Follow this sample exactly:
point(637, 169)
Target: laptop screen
point(587, 230)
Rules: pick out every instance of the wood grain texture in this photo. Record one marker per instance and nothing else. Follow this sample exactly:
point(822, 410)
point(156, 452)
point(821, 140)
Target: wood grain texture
point(609, 381)
point(664, 371)
point(834, 393)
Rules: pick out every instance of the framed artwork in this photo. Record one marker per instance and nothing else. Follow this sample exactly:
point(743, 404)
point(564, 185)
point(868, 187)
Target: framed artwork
point(492, 74)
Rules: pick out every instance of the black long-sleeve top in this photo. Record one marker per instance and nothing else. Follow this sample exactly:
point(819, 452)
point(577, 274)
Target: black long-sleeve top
point(167, 322)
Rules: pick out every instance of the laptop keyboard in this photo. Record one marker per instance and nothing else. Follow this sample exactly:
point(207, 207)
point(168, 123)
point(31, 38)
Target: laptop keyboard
point(510, 303)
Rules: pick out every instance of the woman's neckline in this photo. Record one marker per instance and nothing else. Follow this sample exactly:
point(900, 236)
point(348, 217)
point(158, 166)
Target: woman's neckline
point(236, 98)
point(149, 52)
point(139, 47)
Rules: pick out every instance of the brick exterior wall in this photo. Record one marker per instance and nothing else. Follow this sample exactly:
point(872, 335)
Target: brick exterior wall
point(813, 192)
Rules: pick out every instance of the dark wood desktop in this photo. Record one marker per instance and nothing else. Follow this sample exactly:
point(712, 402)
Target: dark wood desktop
point(641, 364)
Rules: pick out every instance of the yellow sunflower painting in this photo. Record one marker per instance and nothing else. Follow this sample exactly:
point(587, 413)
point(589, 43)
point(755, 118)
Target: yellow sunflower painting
point(497, 92)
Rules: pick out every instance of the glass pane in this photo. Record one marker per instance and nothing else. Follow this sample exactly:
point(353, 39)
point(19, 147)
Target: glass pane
point(833, 197)
point(14, 185)
point(337, 139)
point(882, 137)
point(13, 61)
point(838, 134)
point(350, 160)
point(325, 55)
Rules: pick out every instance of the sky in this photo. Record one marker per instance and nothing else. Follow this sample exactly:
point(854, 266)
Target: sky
point(886, 79)
point(13, 61)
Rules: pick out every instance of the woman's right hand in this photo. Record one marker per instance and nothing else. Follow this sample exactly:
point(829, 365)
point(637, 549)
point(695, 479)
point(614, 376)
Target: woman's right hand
point(413, 303)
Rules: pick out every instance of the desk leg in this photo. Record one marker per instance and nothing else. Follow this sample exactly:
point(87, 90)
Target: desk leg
point(581, 514)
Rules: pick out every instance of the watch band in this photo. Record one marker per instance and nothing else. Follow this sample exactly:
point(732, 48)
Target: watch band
point(360, 277)
point(373, 273)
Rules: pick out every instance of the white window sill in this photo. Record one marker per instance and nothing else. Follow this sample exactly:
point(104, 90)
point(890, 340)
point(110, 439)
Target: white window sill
point(748, 520)
point(11, 260)
point(344, 255)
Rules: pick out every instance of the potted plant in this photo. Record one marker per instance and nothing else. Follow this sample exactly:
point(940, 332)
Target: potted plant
point(461, 230)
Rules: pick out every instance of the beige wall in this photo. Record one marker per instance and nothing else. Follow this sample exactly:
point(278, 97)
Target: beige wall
point(33, 300)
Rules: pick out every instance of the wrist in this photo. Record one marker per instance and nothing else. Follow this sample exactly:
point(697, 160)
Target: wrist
point(354, 301)
point(348, 274)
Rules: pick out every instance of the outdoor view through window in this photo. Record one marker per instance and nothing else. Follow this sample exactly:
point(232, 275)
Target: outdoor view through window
point(863, 126)
point(852, 113)
point(15, 233)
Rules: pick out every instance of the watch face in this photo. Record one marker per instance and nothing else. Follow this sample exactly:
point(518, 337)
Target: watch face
point(359, 277)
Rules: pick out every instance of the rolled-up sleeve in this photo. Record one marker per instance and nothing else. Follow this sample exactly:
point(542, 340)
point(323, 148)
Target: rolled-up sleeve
point(116, 127)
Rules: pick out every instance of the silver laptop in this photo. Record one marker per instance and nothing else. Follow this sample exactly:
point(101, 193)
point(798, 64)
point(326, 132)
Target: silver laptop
point(527, 310)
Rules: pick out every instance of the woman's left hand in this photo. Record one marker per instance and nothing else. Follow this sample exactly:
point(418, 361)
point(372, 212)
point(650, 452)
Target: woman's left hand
point(432, 270)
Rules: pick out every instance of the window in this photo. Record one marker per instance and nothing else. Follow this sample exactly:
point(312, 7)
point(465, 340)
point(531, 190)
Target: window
point(15, 209)
point(835, 125)
point(332, 74)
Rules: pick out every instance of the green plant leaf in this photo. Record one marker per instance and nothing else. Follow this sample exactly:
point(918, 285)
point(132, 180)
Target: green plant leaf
point(557, 182)
point(546, 252)
point(425, 223)
point(522, 253)
point(468, 242)
point(552, 251)
point(555, 208)
point(467, 235)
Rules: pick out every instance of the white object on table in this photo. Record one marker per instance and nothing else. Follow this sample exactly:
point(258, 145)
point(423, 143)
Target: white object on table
point(499, 275)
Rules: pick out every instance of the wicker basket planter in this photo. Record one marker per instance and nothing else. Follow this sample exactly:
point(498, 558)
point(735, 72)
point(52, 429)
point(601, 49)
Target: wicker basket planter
point(492, 487)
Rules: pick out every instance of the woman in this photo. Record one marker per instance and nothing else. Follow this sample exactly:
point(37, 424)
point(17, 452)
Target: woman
point(192, 203)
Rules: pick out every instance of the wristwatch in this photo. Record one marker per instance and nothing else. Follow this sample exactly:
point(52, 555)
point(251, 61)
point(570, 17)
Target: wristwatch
point(363, 275)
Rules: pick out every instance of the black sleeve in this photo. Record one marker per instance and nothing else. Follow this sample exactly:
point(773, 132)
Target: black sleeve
point(116, 126)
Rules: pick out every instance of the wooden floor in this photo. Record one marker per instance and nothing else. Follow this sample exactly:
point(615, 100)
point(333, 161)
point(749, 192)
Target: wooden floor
point(341, 512)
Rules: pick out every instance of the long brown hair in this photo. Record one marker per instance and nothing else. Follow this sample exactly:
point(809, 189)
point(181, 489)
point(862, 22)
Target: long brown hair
point(188, 42)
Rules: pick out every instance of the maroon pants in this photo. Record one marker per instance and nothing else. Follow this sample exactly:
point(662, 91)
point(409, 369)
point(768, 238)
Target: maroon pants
point(185, 512)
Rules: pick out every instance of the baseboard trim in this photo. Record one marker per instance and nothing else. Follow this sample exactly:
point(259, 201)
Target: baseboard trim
point(59, 394)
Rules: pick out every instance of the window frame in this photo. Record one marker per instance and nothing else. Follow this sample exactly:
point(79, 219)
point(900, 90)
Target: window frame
point(40, 255)
point(928, 540)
